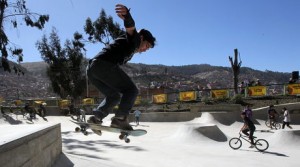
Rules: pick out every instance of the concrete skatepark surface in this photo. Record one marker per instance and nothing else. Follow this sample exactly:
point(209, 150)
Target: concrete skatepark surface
point(200, 142)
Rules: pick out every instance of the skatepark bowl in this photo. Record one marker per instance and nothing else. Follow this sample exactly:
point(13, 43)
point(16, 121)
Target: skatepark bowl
point(172, 138)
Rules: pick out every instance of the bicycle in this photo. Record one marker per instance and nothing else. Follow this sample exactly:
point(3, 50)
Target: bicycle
point(260, 144)
point(275, 124)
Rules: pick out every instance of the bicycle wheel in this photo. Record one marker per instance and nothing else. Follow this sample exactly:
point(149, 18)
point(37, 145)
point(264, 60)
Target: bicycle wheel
point(268, 123)
point(235, 143)
point(261, 144)
point(277, 125)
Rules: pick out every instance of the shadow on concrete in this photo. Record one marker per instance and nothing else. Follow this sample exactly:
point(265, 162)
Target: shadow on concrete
point(81, 154)
point(266, 152)
point(264, 131)
point(72, 145)
point(11, 120)
point(275, 153)
point(212, 132)
point(64, 161)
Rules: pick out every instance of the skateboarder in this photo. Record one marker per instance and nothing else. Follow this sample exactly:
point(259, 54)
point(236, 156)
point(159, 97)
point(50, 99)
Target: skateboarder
point(272, 114)
point(105, 73)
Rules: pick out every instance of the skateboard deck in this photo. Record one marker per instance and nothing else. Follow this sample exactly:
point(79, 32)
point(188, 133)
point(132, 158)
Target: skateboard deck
point(95, 127)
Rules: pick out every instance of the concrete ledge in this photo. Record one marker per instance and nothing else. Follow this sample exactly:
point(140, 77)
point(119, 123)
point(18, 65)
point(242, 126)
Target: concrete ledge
point(53, 111)
point(217, 107)
point(40, 148)
point(166, 116)
point(196, 111)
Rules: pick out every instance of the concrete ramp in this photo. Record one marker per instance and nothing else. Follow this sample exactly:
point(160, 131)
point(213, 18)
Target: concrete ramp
point(225, 118)
point(205, 118)
point(199, 132)
point(213, 133)
point(286, 138)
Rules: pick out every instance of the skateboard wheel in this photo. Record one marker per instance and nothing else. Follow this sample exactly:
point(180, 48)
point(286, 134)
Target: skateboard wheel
point(85, 133)
point(77, 129)
point(121, 137)
point(127, 140)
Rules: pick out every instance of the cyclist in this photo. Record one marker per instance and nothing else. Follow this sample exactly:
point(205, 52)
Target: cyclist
point(248, 112)
point(248, 127)
point(272, 114)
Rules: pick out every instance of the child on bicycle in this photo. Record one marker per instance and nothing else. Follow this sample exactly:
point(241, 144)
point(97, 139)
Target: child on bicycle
point(248, 127)
point(272, 114)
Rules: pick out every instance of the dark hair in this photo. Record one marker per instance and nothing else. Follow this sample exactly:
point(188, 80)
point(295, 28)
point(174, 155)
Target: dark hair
point(148, 36)
point(243, 113)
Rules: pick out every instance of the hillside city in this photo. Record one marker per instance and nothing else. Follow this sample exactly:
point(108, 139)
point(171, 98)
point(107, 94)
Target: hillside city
point(13, 86)
point(159, 79)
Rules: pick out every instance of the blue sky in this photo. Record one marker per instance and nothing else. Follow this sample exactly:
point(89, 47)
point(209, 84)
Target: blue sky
point(266, 32)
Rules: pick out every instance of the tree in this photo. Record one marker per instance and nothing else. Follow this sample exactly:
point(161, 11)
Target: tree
point(66, 70)
point(67, 65)
point(10, 12)
point(236, 69)
point(103, 29)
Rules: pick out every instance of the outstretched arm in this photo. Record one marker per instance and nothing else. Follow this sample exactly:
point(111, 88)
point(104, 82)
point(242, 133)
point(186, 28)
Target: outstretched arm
point(124, 13)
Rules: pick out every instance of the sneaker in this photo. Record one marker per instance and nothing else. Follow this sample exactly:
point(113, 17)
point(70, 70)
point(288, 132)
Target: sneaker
point(121, 123)
point(98, 117)
point(94, 120)
point(252, 146)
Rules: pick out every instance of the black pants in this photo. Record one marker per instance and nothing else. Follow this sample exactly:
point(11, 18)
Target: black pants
point(115, 84)
point(285, 123)
point(251, 130)
point(137, 120)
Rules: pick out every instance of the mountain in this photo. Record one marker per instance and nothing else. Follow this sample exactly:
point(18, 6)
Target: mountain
point(29, 81)
point(34, 82)
point(38, 69)
point(201, 75)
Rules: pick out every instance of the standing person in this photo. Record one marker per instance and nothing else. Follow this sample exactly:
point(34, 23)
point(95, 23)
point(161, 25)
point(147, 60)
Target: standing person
point(242, 86)
point(286, 118)
point(82, 112)
point(248, 127)
point(29, 109)
point(105, 73)
point(272, 114)
point(71, 109)
point(42, 109)
point(137, 114)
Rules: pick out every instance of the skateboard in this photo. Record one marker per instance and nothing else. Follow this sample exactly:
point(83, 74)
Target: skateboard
point(96, 127)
